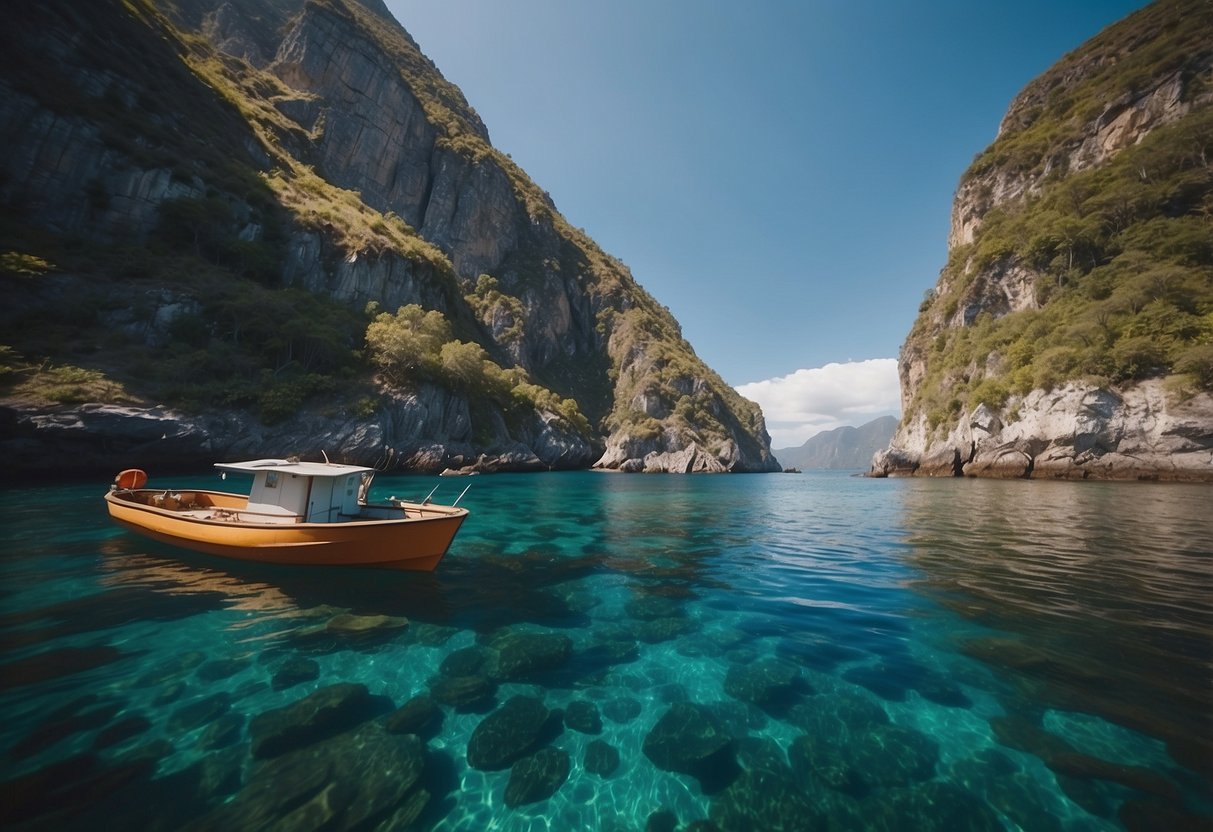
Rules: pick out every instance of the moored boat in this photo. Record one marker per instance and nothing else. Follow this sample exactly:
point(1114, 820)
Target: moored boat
point(301, 513)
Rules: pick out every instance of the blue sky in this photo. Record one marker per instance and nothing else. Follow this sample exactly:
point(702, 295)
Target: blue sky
point(779, 174)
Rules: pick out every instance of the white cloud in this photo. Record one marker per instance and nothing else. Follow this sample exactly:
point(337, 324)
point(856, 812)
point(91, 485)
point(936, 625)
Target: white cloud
point(802, 404)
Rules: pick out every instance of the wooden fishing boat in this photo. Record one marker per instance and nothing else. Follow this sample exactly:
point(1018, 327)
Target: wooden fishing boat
point(302, 513)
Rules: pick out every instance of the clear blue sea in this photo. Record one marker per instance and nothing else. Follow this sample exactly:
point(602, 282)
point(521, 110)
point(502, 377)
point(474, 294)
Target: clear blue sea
point(627, 652)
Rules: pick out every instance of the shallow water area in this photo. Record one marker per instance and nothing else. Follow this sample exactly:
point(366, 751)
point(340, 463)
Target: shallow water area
point(603, 651)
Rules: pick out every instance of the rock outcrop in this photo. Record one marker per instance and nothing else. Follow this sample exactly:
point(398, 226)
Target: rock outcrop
point(311, 145)
point(1068, 334)
point(1073, 432)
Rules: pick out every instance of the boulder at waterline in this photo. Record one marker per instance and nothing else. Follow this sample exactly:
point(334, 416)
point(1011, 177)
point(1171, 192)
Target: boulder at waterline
point(601, 758)
point(319, 715)
point(689, 739)
point(537, 777)
point(508, 733)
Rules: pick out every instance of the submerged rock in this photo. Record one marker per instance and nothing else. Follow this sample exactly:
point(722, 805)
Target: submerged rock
point(583, 716)
point(523, 654)
point(73, 718)
point(656, 630)
point(887, 755)
point(689, 739)
point(892, 679)
point(350, 781)
point(932, 807)
point(651, 607)
point(536, 777)
point(219, 669)
point(767, 683)
point(663, 820)
point(326, 712)
point(624, 709)
point(199, 712)
point(508, 733)
point(601, 758)
point(420, 716)
point(837, 716)
point(121, 731)
point(469, 661)
point(764, 799)
point(171, 670)
point(346, 629)
point(294, 671)
point(223, 732)
point(464, 693)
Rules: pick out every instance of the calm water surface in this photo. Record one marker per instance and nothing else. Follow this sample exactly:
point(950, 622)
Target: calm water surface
point(628, 652)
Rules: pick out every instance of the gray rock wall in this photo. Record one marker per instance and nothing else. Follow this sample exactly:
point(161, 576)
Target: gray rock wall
point(1075, 432)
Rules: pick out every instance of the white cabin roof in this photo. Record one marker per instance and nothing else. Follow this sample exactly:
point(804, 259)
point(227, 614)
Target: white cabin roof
point(303, 469)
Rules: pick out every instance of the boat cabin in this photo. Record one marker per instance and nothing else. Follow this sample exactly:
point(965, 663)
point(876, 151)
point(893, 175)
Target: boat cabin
point(310, 492)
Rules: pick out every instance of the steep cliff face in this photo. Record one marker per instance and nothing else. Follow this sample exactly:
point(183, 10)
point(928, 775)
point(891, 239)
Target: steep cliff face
point(309, 144)
point(1071, 332)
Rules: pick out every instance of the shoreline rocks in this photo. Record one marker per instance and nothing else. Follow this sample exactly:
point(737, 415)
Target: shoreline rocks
point(1076, 432)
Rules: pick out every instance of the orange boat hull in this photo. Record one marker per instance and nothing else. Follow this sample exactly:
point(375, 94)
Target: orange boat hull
point(415, 541)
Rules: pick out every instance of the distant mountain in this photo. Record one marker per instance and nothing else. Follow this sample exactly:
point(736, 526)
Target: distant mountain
point(845, 447)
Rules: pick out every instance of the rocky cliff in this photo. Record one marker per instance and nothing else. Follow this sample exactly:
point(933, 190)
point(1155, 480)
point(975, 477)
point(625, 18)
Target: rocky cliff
point(206, 204)
point(1071, 332)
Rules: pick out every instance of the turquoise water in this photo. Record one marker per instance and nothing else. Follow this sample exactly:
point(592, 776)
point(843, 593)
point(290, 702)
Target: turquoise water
point(627, 652)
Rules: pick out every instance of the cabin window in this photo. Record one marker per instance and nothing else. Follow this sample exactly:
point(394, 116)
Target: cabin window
point(271, 479)
point(350, 482)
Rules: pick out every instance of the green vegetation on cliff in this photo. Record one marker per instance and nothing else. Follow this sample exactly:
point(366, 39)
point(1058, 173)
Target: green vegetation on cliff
point(1116, 259)
point(191, 292)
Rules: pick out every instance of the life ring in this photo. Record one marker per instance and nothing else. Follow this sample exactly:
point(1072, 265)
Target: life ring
point(131, 479)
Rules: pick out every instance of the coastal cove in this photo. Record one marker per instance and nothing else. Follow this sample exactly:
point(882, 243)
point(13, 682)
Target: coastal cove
point(622, 652)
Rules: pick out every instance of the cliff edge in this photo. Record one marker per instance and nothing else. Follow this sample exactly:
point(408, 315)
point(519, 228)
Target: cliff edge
point(271, 226)
point(1070, 334)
